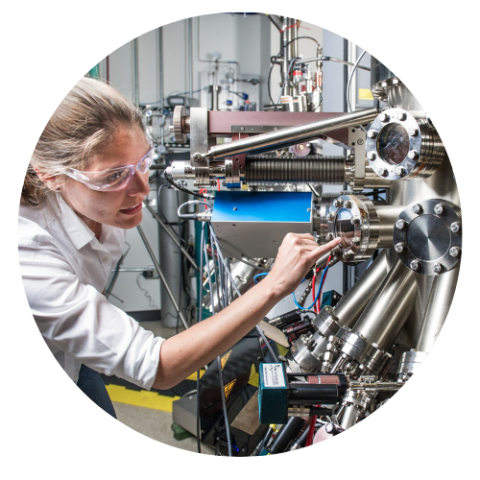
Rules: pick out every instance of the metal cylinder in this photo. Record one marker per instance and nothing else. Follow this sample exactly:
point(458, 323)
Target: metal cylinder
point(441, 297)
point(292, 135)
point(389, 308)
point(356, 299)
point(349, 417)
point(266, 170)
point(387, 216)
point(242, 275)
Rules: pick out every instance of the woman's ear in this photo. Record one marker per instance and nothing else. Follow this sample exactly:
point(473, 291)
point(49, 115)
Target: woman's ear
point(52, 182)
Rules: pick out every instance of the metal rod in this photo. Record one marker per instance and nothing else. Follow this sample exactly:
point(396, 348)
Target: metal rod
point(172, 236)
point(190, 57)
point(349, 417)
point(389, 308)
point(162, 276)
point(438, 305)
point(291, 135)
point(275, 19)
point(356, 299)
point(332, 59)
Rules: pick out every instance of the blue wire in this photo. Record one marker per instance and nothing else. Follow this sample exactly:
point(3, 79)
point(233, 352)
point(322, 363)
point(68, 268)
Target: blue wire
point(259, 275)
point(318, 293)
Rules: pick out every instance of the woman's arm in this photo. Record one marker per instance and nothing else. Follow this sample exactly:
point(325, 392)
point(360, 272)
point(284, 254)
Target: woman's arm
point(191, 349)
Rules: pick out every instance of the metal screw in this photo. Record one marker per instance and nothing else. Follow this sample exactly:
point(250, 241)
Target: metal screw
point(338, 202)
point(400, 223)
point(301, 147)
point(242, 129)
point(355, 220)
point(396, 82)
point(454, 252)
point(455, 227)
point(417, 209)
point(197, 156)
point(234, 208)
point(356, 240)
point(330, 217)
point(372, 134)
point(401, 116)
point(400, 171)
point(438, 209)
point(437, 268)
point(330, 237)
point(384, 172)
point(412, 154)
point(384, 117)
point(413, 132)
point(414, 265)
point(371, 156)
point(348, 204)
point(399, 247)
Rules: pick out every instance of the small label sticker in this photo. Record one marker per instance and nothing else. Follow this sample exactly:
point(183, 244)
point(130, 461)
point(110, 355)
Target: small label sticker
point(365, 94)
point(273, 375)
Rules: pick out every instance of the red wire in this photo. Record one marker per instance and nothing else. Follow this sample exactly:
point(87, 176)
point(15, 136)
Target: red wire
point(313, 291)
point(311, 431)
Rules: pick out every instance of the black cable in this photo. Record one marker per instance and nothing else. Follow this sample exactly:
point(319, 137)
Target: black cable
point(169, 179)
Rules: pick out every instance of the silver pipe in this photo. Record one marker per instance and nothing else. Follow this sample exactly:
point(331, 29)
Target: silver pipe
point(294, 44)
point(349, 417)
point(135, 72)
point(437, 309)
point(172, 236)
point(356, 299)
point(387, 216)
point(292, 135)
point(162, 276)
point(190, 57)
point(286, 56)
point(333, 59)
point(160, 66)
point(389, 308)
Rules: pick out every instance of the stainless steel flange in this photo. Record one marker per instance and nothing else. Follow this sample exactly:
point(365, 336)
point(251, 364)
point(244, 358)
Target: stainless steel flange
point(355, 220)
point(401, 145)
point(179, 115)
point(428, 236)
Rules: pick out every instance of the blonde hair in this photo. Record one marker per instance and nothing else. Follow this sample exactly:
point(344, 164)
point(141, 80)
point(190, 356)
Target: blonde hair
point(82, 125)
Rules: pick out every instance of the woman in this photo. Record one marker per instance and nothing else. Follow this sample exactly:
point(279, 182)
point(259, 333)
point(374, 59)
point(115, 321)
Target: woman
point(84, 187)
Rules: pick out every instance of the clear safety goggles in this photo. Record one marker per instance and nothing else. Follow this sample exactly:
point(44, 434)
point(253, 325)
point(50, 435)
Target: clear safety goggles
point(113, 178)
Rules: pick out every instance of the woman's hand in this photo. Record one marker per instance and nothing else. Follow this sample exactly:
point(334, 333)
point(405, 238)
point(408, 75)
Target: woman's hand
point(296, 255)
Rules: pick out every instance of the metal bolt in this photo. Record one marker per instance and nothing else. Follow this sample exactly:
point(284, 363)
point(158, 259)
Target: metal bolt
point(438, 209)
point(383, 117)
point(356, 240)
point(330, 237)
point(242, 129)
point(372, 134)
point(301, 147)
point(234, 208)
point(360, 141)
point(338, 202)
point(384, 172)
point(413, 132)
point(455, 227)
point(355, 220)
point(399, 247)
point(417, 209)
point(437, 268)
point(396, 82)
point(197, 156)
point(414, 265)
point(412, 154)
point(330, 217)
point(400, 223)
point(348, 204)
point(371, 156)
point(401, 116)
point(454, 252)
point(400, 171)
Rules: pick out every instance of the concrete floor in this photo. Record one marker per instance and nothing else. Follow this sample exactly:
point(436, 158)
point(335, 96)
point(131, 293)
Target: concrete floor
point(156, 424)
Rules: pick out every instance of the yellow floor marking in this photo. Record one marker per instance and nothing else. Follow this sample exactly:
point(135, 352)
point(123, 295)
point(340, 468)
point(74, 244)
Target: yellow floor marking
point(140, 398)
point(193, 376)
